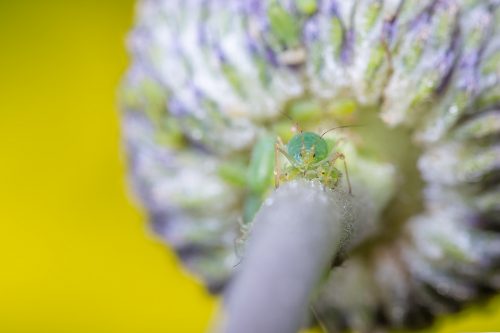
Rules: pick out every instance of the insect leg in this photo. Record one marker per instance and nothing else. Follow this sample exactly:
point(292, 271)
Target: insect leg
point(277, 170)
point(316, 315)
point(288, 157)
point(342, 157)
point(332, 159)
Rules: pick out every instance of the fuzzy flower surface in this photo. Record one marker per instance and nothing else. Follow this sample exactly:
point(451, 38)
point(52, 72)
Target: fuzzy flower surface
point(211, 80)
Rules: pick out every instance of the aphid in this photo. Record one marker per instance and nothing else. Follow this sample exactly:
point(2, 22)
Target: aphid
point(310, 158)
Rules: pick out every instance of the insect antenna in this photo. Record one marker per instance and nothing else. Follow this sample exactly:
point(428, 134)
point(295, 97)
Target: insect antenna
point(296, 124)
point(337, 127)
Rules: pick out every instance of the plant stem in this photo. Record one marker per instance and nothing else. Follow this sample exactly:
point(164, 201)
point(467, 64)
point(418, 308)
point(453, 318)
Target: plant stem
point(296, 235)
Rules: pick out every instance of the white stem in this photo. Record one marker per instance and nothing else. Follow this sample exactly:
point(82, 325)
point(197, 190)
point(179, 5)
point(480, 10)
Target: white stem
point(296, 235)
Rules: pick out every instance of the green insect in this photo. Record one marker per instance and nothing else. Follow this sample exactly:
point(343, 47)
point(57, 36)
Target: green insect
point(310, 158)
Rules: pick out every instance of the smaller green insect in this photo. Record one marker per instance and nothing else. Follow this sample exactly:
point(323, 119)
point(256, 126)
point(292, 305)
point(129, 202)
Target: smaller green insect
point(310, 158)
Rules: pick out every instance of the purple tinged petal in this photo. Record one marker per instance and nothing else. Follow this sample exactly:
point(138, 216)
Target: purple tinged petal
point(254, 7)
point(251, 45)
point(333, 9)
point(202, 34)
point(346, 54)
point(271, 56)
point(311, 30)
point(198, 94)
point(389, 29)
point(219, 53)
point(176, 108)
point(446, 67)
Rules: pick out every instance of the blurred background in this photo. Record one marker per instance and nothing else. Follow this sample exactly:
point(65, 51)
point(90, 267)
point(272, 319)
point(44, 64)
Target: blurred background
point(75, 252)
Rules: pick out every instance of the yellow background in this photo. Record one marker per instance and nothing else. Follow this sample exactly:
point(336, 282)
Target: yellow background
point(75, 254)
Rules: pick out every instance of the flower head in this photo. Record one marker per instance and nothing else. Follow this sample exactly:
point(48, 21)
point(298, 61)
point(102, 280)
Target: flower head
point(210, 78)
